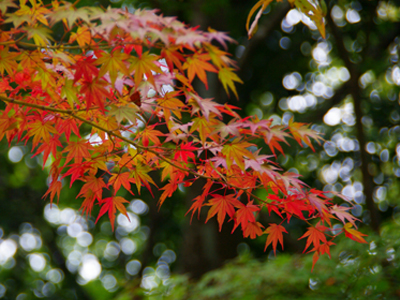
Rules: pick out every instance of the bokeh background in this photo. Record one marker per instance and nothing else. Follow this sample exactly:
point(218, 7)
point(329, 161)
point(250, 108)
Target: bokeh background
point(346, 85)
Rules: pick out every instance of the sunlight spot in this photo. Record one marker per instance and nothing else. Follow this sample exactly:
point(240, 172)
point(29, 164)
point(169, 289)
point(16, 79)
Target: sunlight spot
point(292, 81)
point(352, 16)
point(293, 17)
point(84, 239)
point(109, 282)
point(55, 275)
point(52, 213)
point(130, 224)
point(37, 262)
point(15, 154)
point(29, 242)
point(128, 246)
point(133, 267)
point(74, 229)
point(333, 116)
point(7, 250)
point(139, 207)
point(90, 268)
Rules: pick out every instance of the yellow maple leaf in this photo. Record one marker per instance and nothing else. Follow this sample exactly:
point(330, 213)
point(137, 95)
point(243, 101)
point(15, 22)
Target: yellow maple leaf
point(227, 78)
point(82, 36)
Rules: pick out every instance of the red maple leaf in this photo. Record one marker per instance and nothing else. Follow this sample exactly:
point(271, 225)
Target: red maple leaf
point(245, 214)
point(85, 67)
point(222, 204)
point(111, 205)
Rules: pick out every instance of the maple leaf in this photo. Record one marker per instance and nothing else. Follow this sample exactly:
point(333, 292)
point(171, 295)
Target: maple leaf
point(36, 12)
point(231, 128)
point(87, 204)
point(222, 204)
point(206, 106)
point(199, 200)
point(221, 37)
point(124, 179)
point(169, 189)
point(256, 124)
point(151, 134)
point(273, 136)
point(113, 63)
point(227, 78)
point(262, 4)
point(5, 4)
point(69, 13)
point(172, 57)
point(77, 171)
point(82, 36)
point(49, 147)
point(140, 175)
point(185, 151)
point(85, 67)
point(111, 205)
point(317, 202)
point(190, 38)
point(236, 152)
point(340, 212)
point(128, 112)
point(275, 235)
point(95, 93)
point(7, 61)
point(314, 11)
point(93, 184)
point(144, 65)
point(315, 236)
point(67, 126)
point(78, 150)
point(41, 35)
point(198, 65)
point(54, 189)
point(245, 215)
point(354, 234)
point(320, 250)
point(169, 103)
point(41, 131)
point(301, 132)
point(253, 229)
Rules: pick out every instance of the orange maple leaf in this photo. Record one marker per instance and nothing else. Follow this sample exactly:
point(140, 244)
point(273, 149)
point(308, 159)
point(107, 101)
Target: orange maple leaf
point(40, 130)
point(78, 151)
point(198, 65)
point(253, 229)
point(54, 189)
point(124, 179)
point(315, 235)
point(93, 184)
point(274, 235)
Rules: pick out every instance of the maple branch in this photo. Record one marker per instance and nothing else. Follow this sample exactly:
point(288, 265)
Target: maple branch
point(223, 180)
point(112, 133)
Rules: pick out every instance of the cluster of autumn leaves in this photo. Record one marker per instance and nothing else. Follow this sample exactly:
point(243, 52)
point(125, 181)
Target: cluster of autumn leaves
point(111, 103)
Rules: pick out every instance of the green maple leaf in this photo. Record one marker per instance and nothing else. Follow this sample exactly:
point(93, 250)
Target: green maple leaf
point(128, 112)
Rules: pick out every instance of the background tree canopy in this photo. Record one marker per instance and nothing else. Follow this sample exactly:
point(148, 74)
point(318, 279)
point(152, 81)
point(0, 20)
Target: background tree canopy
point(347, 85)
